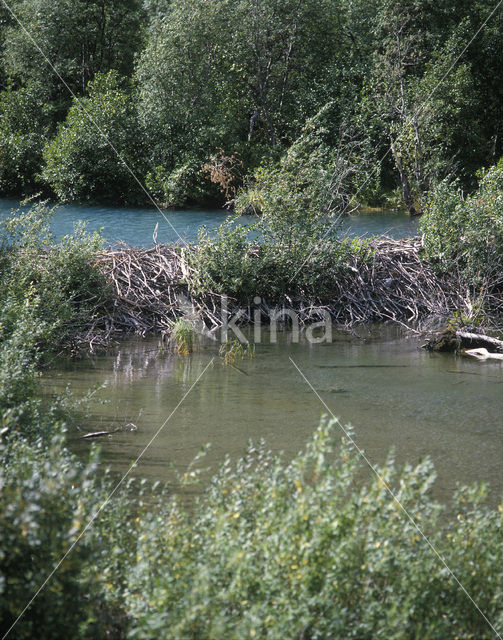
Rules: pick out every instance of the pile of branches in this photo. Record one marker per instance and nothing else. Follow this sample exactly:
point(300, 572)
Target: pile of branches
point(395, 284)
point(150, 290)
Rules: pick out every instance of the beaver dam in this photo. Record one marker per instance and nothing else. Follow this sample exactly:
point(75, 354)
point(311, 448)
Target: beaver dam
point(151, 288)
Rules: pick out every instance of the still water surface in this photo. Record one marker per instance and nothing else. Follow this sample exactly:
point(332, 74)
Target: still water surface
point(390, 390)
point(136, 226)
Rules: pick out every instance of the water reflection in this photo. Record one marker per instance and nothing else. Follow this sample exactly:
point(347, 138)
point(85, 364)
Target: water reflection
point(394, 394)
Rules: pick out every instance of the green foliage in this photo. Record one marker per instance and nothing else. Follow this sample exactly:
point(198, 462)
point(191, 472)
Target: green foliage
point(183, 337)
point(48, 292)
point(421, 99)
point(46, 495)
point(46, 498)
point(19, 356)
point(56, 287)
point(299, 201)
point(310, 549)
point(466, 234)
point(245, 77)
point(25, 117)
point(183, 184)
point(232, 75)
point(80, 163)
point(80, 38)
point(234, 265)
point(299, 197)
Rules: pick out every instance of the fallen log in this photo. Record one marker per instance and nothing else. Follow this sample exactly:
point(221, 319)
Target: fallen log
point(451, 341)
point(130, 426)
point(97, 434)
point(483, 354)
point(479, 340)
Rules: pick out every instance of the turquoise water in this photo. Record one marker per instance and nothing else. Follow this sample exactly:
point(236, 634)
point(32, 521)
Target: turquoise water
point(136, 226)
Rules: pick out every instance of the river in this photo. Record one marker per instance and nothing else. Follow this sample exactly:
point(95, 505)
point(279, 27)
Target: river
point(378, 379)
point(391, 391)
point(136, 226)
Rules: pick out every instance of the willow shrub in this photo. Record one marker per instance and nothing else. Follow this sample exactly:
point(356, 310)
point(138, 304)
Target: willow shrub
point(466, 234)
point(46, 498)
point(233, 264)
point(80, 162)
point(316, 548)
point(48, 292)
point(56, 284)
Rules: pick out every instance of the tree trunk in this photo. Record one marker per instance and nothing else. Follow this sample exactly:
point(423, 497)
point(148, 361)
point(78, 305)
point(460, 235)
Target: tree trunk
point(406, 190)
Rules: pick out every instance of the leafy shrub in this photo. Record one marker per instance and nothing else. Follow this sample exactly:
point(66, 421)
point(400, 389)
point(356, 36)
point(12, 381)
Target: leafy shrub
point(46, 495)
point(311, 550)
point(25, 120)
point(299, 197)
point(234, 265)
point(178, 186)
point(46, 498)
point(57, 285)
point(466, 234)
point(80, 163)
point(19, 410)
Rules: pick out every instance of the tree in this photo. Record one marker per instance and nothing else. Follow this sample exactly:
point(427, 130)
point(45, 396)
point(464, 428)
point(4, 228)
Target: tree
point(301, 196)
point(25, 122)
point(241, 75)
point(80, 162)
point(79, 37)
point(419, 102)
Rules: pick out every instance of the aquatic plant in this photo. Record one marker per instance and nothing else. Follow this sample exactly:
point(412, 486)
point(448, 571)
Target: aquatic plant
point(232, 350)
point(183, 337)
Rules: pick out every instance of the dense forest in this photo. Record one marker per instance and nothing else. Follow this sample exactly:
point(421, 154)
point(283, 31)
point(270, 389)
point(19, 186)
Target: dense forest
point(195, 102)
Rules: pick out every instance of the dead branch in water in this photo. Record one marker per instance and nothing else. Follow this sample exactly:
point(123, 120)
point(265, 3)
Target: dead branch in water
point(150, 291)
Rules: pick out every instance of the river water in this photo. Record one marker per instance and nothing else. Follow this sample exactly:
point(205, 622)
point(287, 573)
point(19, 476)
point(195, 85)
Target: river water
point(136, 226)
point(392, 392)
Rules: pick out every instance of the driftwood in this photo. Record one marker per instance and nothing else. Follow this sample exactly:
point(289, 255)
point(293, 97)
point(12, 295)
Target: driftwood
point(479, 339)
point(150, 292)
point(451, 340)
point(483, 354)
point(98, 434)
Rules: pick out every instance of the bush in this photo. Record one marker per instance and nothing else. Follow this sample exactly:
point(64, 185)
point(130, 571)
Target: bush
point(300, 196)
point(25, 120)
point(179, 186)
point(80, 164)
point(466, 234)
point(46, 495)
point(56, 285)
point(311, 550)
point(46, 498)
point(48, 293)
point(232, 264)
